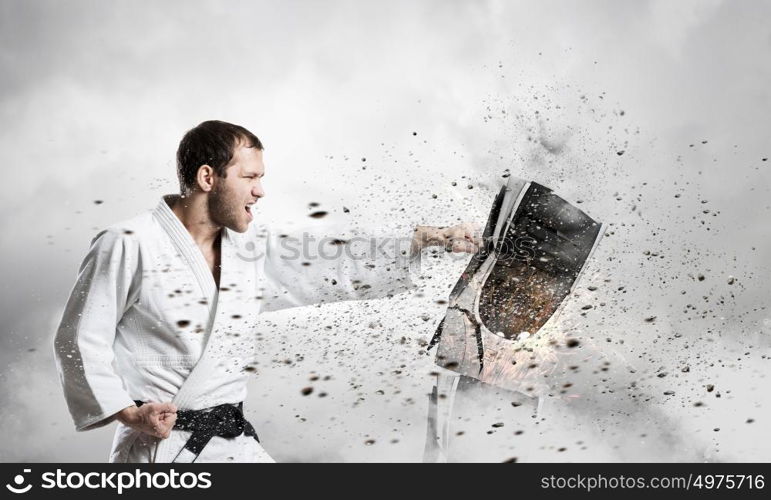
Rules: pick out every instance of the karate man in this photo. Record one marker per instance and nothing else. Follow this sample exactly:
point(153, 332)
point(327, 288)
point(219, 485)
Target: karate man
point(163, 310)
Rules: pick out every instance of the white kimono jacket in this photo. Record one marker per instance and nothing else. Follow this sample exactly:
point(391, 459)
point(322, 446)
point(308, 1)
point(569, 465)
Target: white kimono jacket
point(145, 321)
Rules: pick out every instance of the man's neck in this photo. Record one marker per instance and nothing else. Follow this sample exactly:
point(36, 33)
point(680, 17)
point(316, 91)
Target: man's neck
point(192, 212)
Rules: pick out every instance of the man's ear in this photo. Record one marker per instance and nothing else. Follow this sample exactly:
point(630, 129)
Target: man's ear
point(205, 178)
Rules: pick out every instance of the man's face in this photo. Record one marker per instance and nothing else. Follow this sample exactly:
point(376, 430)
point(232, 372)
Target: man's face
point(232, 197)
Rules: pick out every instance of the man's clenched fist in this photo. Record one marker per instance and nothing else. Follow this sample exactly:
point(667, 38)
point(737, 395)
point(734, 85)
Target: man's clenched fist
point(459, 238)
point(155, 419)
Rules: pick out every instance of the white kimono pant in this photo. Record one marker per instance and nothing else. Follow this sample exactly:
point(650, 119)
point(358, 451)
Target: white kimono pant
point(130, 446)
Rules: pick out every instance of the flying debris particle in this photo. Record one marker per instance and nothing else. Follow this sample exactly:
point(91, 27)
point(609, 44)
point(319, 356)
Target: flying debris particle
point(661, 375)
point(710, 387)
point(98, 202)
point(698, 404)
point(497, 425)
point(619, 153)
point(414, 133)
point(451, 365)
point(669, 393)
point(511, 460)
point(318, 215)
point(313, 204)
point(700, 277)
point(750, 420)
point(345, 210)
point(183, 323)
point(306, 391)
point(369, 442)
point(731, 280)
point(572, 343)
point(586, 307)
point(685, 369)
point(650, 319)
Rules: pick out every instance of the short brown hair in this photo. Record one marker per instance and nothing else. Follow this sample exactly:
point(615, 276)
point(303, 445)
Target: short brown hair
point(210, 143)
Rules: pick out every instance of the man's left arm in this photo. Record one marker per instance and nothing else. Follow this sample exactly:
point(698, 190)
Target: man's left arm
point(323, 268)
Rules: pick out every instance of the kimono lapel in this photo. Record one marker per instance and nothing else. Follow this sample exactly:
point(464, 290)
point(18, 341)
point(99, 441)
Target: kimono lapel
point(183, 242)
point(192, 393)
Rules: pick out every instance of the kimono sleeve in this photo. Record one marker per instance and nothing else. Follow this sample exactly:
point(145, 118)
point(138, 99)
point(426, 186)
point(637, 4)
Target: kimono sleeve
point(323, 266)
point(84, 340)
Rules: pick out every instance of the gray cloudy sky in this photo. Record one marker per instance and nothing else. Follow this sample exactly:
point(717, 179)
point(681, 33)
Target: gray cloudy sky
point(653, 114)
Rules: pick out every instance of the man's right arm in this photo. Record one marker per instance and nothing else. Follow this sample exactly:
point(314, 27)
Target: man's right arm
point(84, 340)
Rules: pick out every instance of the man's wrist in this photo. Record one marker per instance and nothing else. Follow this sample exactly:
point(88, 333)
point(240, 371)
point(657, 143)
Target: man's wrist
point(426, 236)
point(127, 416)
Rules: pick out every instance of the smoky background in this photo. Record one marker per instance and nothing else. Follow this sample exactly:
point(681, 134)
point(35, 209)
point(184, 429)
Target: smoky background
point(652, 116)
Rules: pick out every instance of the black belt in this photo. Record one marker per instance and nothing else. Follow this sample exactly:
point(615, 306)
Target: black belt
point(225, 420)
